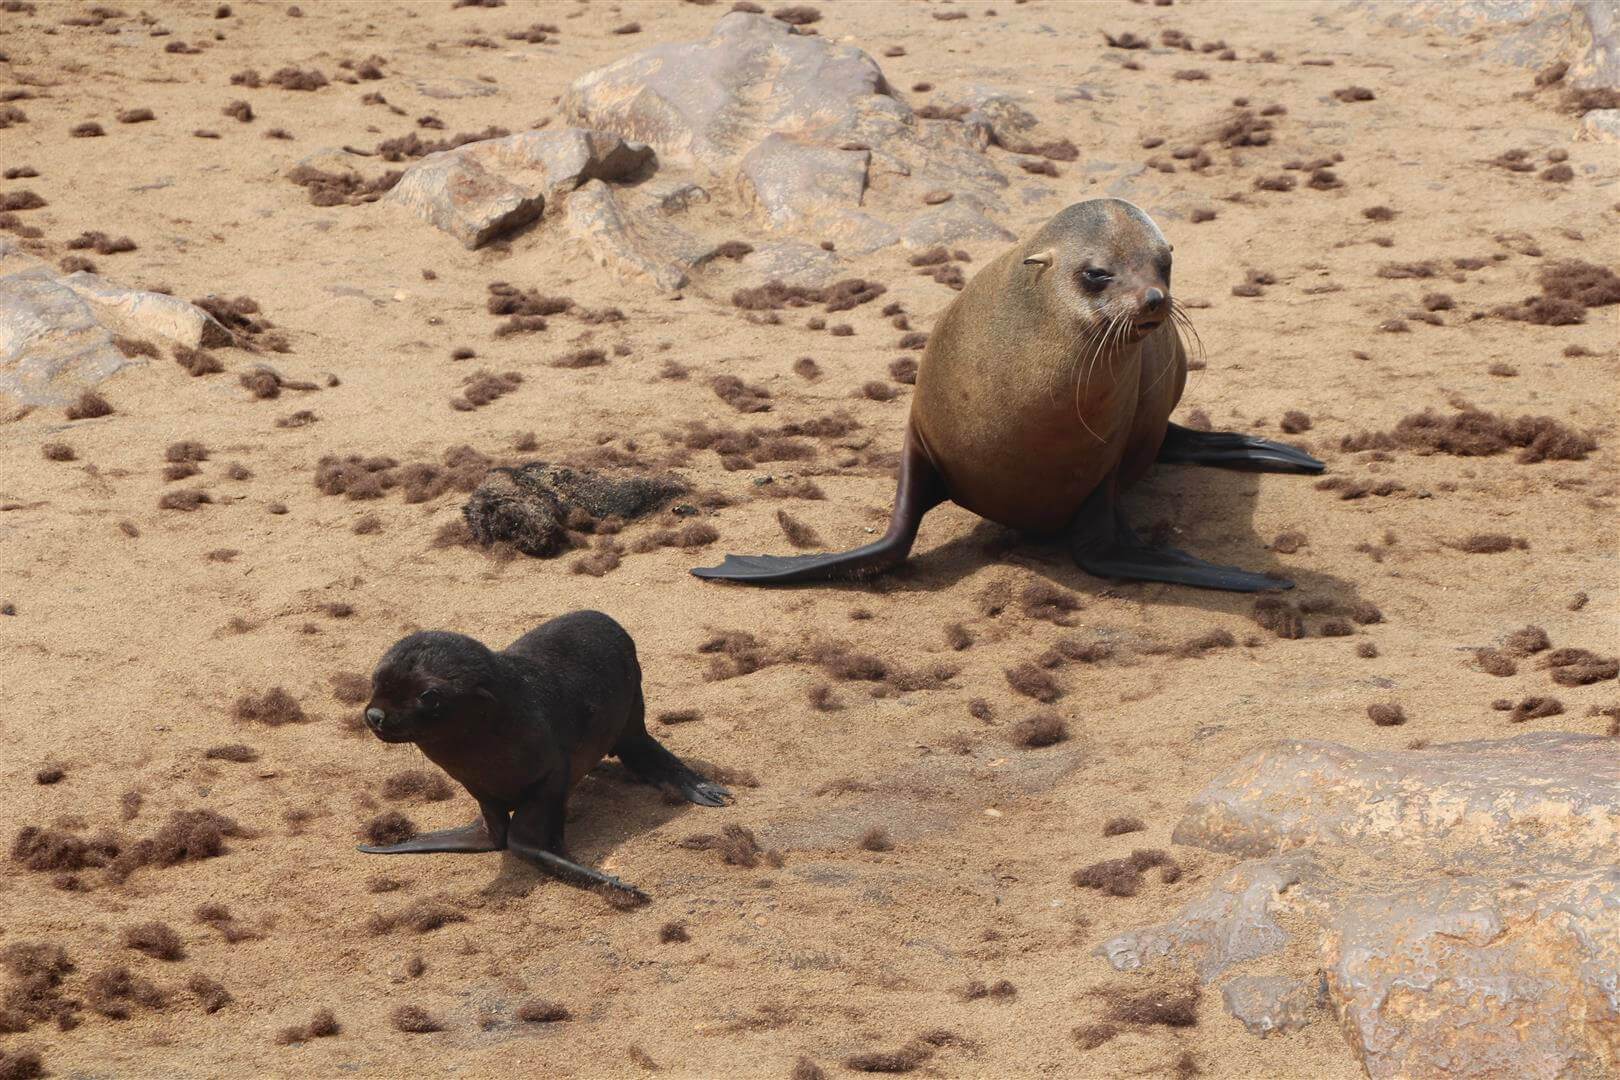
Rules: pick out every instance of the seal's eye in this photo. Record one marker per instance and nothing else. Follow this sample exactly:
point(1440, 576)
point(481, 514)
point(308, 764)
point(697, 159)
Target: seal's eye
point(431, 698)
point(1095, 279)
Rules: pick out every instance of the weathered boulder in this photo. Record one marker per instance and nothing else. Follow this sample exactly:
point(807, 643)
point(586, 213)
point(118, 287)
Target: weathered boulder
point(1461, 902)
point(1526, 33)
point(640, 245)
point(57, 331)
point(801, 125)
point(483, 189)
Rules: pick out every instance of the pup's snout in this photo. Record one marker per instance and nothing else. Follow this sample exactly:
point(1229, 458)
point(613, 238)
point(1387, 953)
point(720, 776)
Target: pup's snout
point(375, 718)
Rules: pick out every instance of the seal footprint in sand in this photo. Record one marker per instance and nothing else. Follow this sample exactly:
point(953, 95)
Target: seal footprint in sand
point(519, 729)
point(1045, 391)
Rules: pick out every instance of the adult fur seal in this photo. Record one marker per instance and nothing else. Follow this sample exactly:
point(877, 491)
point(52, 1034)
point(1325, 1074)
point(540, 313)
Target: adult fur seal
point(519, 728)
point(1046, 391)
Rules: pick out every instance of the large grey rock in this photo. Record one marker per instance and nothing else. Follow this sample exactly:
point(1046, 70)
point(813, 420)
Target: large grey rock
point(801, 126)
point(956, 222)
point(643, 246)
point(1525, 33)
point(57, 331)
point(1462, 902)
point(483, 189)
point(788, 182)
point(1538, 793)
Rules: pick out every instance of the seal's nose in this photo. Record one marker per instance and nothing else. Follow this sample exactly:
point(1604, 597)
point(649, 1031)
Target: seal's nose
point(375, 717)
point(1152, 302)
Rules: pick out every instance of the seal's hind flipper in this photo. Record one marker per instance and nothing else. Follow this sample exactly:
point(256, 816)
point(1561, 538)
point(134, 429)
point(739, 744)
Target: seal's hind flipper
point(561, 866)
point(1105, 545)
point(649, 760)
point(1230, 450)
point(468, 838)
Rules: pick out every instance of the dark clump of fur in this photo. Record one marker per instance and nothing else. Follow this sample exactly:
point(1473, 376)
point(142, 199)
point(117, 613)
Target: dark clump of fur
point(1115, 877)
point(1170, 1007)
point(903, 1060)
point(197, 361)
point(324, 1024)
point(876, 839)
point(211, 994)
point(274, 707)
point(1042, 729)
point(419, 917)
point(1568, 289)
point(43, 850)
point(392, 827)
point(1091, 1036)
point(1580, 667)
point(1534, 708)
point(155, 939)
point(232, 752)
point(1279, 616)
point(112, 991)
point(483, 387)
point(414, 1019)
point(417, 784)
point(672, 933)
point(57, 451)
point(1490, 543)
point(1532, 639)
point(535, 507)
point(1043, 600)
point(537, 1011)
point(736, 845)
point(797, 532)
point(188, 836)
point(1475, 433)
point(88, 406)
point(1031, 681)
point(342, 189)
point(1118, 826)
point(1495, 662)
point(743, 397)
point(1386, 715)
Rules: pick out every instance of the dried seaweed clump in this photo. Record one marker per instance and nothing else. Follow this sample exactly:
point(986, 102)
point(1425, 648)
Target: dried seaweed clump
point(1279, 616)
point(342, 189)
point(735, 652)
point(43, 849)
point(292, 78)
point(839, 296)
point(274, 707)
point(483, 387)
point(88, 406)
point(1042, 729)
point(210, 993)
point(1029, 680)
point(155, 939)
point(420, 917)
point(539, 1011)
point(414, 1019)
point(1475, 433)
point(392, 827)
point(417, 784)
point(1568, 288)
point(1119, 826)
point(1386, 714)
point(323, 1025)
point(744, 397)
point(736, 844)
point(112, 991)
point(1580, 667)
point(1171, 1007)
point(1043, 600)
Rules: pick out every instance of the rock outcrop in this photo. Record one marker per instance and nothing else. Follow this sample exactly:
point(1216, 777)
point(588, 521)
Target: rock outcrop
point(1462, 902)
point(58, 331)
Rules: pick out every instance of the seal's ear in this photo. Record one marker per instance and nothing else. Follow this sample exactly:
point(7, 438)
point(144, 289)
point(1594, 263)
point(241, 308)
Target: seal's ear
point(1040, 258)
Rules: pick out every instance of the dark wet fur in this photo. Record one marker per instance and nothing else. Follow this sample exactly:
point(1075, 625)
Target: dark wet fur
point(521, 727)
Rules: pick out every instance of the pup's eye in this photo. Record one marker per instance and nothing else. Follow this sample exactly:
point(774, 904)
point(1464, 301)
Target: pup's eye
point(1095, 278)
point(430, 698)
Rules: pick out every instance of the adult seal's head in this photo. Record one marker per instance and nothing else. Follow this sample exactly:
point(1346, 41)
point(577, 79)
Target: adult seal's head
point(1045, 391)
point(1102, 265)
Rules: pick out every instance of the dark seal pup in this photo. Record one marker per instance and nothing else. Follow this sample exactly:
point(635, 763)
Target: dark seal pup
point(519, 728)
point(1044, 392)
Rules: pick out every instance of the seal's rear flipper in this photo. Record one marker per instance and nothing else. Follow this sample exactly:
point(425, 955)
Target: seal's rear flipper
point(468, 838)
point(646, 757)
point(1229, 450)
point(1105, 546)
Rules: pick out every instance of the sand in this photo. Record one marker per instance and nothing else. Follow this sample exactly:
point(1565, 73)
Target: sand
point(127, 654)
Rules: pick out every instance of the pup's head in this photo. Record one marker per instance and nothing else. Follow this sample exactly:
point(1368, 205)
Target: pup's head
point(427, 684)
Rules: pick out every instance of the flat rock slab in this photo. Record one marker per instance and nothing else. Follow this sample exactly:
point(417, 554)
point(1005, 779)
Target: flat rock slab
point(57, 330)
point(483, 189)
point(1462, 902)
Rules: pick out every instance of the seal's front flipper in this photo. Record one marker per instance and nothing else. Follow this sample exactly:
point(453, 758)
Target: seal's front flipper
point(921, 488)
point(1229, 450)
point(793, 569)
point(536, 835)
point(468, 838)
point(648, 759)
point(1106, 547)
